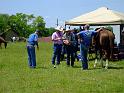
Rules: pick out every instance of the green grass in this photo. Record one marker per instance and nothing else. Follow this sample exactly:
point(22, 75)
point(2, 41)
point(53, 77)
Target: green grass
point(17, 77)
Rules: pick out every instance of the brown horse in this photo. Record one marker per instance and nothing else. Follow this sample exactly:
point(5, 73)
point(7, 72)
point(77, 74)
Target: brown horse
point(104, 43)
point(2, 40)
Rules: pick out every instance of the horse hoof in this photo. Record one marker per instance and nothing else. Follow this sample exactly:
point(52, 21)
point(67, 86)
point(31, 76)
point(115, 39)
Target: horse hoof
point(94, 66)
point(106, 67)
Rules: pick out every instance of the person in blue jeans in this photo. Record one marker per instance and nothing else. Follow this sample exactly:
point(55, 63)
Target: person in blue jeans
point(85, 38)
point(57, 45)
point(70, 42)
point(31, 42)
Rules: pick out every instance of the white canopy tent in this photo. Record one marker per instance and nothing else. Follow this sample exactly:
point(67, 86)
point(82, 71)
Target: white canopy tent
point(100, 16)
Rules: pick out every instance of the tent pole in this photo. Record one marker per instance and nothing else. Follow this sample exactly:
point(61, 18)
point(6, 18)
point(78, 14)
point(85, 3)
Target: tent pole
point(121, 36)
point(65, 26)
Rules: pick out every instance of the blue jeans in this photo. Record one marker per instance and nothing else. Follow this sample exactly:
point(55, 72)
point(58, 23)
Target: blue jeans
point(57, 48)
point(83, 52)
point(31, 56)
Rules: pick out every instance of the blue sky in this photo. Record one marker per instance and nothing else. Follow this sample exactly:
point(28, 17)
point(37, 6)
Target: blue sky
point(64, 10)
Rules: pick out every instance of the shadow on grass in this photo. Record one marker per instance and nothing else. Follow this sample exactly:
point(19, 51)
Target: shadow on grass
point(77, 67)
point(108, 68)
point(94, 68)
point(115, 67)
point(41, 67)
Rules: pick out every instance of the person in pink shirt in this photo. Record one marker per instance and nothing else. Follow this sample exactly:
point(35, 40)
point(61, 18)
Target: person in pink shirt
point(57, 45)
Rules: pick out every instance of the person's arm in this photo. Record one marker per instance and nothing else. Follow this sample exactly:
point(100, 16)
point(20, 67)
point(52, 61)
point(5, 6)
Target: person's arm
point(99, 29)
point(73, 41)
point(65, 41)
point(79, 37)
point(36, 41)
point(54, 38)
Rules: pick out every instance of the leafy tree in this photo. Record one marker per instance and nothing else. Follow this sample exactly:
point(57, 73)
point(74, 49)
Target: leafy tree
point(4, 22)
point(109, 28)
point(49, 31)
point(39, 24)
point(20, 23)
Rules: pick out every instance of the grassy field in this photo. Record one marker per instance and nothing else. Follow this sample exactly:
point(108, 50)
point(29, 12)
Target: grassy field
point(17, 77)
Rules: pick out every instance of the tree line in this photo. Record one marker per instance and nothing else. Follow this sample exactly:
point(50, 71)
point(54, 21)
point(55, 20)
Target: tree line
point(23, 24)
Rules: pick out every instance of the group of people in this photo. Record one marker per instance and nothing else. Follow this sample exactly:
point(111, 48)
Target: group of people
point(66, 38)
point(70, 40)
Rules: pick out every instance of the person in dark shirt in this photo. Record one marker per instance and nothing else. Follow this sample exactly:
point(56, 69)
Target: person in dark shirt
point(69, 41)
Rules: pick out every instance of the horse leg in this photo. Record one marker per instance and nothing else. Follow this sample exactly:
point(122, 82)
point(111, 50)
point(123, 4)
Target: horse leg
point(96, 61)
point(5, 44)
point(107, 57)
point(101, 57)
point(107, 62)
point(101, 61)
point(96, 58)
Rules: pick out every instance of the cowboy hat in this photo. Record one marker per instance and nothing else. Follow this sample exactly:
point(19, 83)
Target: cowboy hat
point(59, 28)
point(67, 30)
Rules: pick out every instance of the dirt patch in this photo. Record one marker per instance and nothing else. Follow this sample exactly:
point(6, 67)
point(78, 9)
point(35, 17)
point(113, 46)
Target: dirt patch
point(45, 39)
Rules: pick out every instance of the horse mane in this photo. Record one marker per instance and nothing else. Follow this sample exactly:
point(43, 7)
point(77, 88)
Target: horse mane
point(104, 29)
point(97, 29)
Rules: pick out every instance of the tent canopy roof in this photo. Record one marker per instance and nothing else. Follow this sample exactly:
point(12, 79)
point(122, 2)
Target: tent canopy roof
point(97, 17)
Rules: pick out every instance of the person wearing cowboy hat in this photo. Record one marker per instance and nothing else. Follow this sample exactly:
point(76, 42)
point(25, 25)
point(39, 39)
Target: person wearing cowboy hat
point(69, 41)
point(57, 45)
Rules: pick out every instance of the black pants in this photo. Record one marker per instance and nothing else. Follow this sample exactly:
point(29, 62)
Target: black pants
point(70, 54)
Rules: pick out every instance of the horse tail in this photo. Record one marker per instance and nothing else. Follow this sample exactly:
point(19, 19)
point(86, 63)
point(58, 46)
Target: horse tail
point(111, 39)
point(104, 42)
